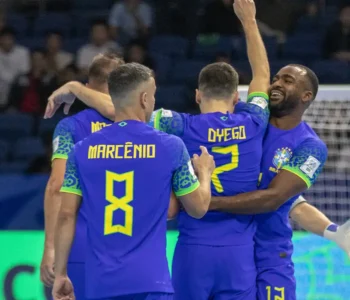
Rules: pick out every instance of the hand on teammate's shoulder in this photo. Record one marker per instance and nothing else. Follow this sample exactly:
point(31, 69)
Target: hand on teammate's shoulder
point(204, 162)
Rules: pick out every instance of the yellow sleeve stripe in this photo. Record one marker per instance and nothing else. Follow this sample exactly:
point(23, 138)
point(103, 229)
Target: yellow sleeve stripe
point(157, 119)
point(300, 174)
point(71, 191)
point(258, 94)
point(61, 156)
point(188, 190)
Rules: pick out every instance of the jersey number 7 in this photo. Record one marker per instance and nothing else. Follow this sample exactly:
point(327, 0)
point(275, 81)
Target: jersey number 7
point(233, 150)
point(121, 203)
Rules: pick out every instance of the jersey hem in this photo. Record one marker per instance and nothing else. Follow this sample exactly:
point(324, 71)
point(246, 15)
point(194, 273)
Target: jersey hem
point(60, 156)
point(71, 191)
point(188, 190)
point(299, 174)
point(156, 120)
point(258, 94)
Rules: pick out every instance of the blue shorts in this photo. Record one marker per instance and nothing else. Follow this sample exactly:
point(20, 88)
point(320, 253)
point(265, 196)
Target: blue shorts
point(144, 296)
point(276, 283)
point(207, 272)
point(76, 273)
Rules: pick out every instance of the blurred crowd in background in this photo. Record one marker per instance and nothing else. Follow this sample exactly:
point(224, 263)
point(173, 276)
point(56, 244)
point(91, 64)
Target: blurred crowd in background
point(46, 43)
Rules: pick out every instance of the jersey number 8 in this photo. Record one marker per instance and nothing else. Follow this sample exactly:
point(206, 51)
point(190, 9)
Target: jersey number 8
point(233, 150)
point(121, 203)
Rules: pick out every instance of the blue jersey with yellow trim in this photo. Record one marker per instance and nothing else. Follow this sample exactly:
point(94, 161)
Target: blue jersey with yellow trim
point(301, 152)
point(235, 141)
point(68, 132)
point(126, 208)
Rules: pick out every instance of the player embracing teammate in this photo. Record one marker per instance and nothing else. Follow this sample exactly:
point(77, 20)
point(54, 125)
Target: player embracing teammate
point(215, 257)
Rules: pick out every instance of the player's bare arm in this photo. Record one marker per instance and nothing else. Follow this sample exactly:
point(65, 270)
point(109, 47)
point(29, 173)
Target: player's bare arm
point(246, 11)
point(174, 207)
point(67, 93)
point(52, 203)
point(311, 219)
point(64, 235)
point(197, 202)
point(283, 187)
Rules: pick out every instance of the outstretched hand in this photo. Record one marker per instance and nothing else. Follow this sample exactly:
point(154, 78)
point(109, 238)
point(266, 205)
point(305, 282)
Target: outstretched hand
point(245, 10)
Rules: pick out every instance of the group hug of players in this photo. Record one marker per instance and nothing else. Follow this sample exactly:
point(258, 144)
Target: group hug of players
point(114, 168)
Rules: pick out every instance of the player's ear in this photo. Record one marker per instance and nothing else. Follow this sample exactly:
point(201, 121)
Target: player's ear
point(235, 98)
point(198, 96)
point(307, 97)
point(143, 100)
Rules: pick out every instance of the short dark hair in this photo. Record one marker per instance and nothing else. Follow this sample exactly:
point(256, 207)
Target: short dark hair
point(218, 80)
point(126, 79)
point(99, 22)
point(102, 65)
point(7, 31)
point(311, 78)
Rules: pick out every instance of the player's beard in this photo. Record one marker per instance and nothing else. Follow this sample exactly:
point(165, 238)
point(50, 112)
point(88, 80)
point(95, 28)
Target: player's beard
point(285, 107)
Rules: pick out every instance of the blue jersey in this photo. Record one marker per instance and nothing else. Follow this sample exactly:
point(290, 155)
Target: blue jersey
point(301, 152)
point(235, 141)
point(68, 132)
point(126, 208)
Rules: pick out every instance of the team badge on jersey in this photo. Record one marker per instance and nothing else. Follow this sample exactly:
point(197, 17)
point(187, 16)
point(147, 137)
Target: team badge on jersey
point(282, 157)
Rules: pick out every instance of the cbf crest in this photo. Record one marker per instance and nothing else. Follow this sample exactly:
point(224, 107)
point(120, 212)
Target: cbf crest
point(281, 157)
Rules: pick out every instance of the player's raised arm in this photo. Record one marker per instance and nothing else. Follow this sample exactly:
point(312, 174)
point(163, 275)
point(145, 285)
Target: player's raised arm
point(246, 11)
point(65, 228)
point(168, 121)
point(294, 178)
point(62, 145)
point(194, 192)
point(67, 93)
point(313, 220)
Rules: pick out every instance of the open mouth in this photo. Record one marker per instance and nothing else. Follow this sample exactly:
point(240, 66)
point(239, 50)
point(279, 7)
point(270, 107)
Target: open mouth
point(276, 95)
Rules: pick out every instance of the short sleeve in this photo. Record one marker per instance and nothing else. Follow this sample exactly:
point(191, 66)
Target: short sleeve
point(184, 180)
point(63, 142)
point(71, 183)
point(168, 121)
point(257, 105)
point(308, 160)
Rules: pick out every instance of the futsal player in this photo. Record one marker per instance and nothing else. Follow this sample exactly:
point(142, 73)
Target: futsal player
point(68, 132)
point(223, 241)
point(293, 158)
point(126, 208)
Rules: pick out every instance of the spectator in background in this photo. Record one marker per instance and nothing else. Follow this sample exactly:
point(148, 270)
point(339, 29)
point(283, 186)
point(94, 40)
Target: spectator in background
point(57, 59)
point(30, 91)
point(244, 77)
point(14, 60)
point(219, 18)
point(130, 19)
point(276, 18)
point(42, 164)
point(136, 52)
point(2, 20)
point(337, 41)
point(99, 43)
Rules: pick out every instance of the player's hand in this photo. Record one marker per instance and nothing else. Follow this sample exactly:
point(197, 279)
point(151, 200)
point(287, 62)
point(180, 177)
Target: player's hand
point(63, 289)
point(61, 96)
point(204, 162)
point(47, 275)
point(343, 237)
point(245, 10)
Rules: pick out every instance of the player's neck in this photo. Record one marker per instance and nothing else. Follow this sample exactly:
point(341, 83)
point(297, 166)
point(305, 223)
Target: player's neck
point(216, 106)
point(128, 114)
point(286, 122)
